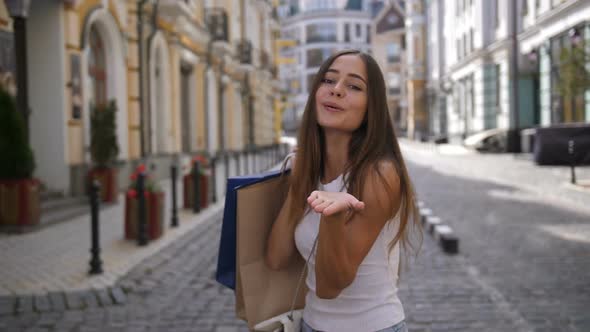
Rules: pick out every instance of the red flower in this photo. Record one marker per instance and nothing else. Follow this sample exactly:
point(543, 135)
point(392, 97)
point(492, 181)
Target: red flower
point(134, 177)
point(141, 168)
point(131, 193)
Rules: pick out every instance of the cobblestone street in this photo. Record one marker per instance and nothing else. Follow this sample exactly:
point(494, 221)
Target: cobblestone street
point(520, 268)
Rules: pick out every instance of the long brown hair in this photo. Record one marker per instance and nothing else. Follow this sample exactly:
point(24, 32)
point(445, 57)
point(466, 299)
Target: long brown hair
point(373, 142)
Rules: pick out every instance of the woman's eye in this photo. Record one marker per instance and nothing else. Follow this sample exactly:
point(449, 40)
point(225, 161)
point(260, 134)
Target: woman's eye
point(327, 80)
point(355, 87)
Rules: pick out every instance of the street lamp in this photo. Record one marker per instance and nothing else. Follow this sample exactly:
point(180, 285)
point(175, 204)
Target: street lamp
point(19, 10)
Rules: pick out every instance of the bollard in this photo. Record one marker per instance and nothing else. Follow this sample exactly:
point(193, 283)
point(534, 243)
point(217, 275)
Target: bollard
point(142, 239)
point(571, 151)
point(196, 188)
point(95, 262)
point(173, 171)
point(214, 178)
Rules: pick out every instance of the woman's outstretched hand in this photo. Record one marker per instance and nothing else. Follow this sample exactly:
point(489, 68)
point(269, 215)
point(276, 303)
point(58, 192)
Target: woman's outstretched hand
point(332, 203)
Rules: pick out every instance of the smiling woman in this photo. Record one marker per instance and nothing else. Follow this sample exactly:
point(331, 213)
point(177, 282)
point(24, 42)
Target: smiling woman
point(350, 191)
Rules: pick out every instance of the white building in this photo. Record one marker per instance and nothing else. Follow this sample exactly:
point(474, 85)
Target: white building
point(469, 58)
point(435, 72)
point(318, 29)
point(548, 26)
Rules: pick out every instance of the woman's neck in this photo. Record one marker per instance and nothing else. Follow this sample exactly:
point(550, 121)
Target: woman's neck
point(336, 155)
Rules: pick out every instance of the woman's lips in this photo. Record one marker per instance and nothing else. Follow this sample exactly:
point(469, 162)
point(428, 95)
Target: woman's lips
point(332, 108)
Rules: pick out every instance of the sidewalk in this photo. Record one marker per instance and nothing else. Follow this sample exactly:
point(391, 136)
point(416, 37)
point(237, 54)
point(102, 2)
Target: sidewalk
point(56, 258)
point(550, 182)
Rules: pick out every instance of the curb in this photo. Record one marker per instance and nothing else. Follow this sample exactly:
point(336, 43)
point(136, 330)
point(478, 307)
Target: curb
point(442, 233)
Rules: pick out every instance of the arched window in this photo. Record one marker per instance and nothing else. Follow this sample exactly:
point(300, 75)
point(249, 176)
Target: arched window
point(97, 68)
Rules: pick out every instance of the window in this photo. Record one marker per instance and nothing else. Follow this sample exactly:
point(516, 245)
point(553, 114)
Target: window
point(471, 40)
point(321, 32)
point(497, 74)
point(525, 7)
point(368, 33)
point(393, 52)
point(316, 56)
point(358, 30)
point(346, 32)
point(97, 68)
point(310, 79)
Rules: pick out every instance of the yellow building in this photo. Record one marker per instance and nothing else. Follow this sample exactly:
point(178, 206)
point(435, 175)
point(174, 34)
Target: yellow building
point(187, 77)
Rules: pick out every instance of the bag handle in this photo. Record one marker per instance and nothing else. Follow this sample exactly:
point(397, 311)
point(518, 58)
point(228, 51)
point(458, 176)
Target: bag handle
point(290, 316)
point(286, 161)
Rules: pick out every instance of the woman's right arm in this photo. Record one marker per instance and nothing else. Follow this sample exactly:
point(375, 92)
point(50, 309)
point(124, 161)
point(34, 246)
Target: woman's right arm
point(280, 245)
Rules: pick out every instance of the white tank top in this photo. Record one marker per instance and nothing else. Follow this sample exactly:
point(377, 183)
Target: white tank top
point(370, 303)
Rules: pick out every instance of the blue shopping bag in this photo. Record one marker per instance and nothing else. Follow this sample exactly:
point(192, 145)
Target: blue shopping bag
point(226, 259)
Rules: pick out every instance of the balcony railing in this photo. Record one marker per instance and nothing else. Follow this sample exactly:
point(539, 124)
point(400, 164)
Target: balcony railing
point(217, 23)
point(244, 51)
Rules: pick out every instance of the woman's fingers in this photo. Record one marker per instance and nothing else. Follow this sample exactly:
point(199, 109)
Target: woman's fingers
point(319, 208)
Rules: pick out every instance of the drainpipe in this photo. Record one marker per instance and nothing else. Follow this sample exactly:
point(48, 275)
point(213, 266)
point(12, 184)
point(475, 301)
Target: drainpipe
point(220, 103)
point(513, 139)
point(206, 94)
point(154, 24)
point(140, 6)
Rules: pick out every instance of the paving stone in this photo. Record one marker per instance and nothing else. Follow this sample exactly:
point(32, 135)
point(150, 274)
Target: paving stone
point(104, 297)
point(42, 303)
point(75, 300)
point(57, 300)
point(7, 305)
point(24, 304)
point(89, 298)
point(119, 297)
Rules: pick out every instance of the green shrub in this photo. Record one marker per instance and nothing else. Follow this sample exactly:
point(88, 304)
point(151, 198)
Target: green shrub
point(16, 156)
point(103, 135)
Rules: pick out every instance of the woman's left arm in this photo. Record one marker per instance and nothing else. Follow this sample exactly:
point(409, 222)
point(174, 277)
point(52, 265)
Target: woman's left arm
point(345, 240)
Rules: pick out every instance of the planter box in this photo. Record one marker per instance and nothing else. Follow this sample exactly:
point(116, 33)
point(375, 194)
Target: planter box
point(551, 144)
point(188, 191)
point(19, 202)
point(154, 207)
point(107, 177)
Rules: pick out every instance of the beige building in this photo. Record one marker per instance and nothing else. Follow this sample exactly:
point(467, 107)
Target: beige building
point(418, 127)
point(194, 76)
point(388, 47)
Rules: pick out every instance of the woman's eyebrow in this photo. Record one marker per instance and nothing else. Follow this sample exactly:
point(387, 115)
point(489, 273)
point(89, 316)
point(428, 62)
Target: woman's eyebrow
point(350, 74)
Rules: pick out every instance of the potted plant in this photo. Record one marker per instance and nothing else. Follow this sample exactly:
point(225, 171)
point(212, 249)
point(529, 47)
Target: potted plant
point(188, 182)
point(154, 206)
point(19, 191)
point(104, 149)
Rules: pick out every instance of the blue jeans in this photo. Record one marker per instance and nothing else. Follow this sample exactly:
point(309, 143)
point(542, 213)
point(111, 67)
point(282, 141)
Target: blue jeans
point(399, 327)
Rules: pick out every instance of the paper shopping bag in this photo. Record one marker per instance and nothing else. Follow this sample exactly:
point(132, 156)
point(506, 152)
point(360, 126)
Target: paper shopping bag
point(263, 292)
point(252, 203)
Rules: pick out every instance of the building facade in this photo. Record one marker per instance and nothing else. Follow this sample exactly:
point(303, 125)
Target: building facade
point(471, 64)
point(316, 30)
point(548, 27)
point(388, 45)
point(186, 76)
point(416, 69)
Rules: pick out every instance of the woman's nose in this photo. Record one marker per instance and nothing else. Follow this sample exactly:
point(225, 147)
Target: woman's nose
point(337, 90)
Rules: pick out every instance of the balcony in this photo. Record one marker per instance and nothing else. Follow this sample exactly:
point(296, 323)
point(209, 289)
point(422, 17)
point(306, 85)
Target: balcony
point(216, 19)
point(244, 51)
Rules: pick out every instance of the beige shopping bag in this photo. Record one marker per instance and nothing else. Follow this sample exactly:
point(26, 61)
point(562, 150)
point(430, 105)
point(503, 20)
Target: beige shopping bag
point(260, 292)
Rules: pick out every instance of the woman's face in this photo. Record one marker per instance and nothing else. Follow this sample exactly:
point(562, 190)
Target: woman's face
point(341, 99)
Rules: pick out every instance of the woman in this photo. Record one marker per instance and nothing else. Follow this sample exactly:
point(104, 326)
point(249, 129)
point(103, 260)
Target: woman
point(350, 189)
